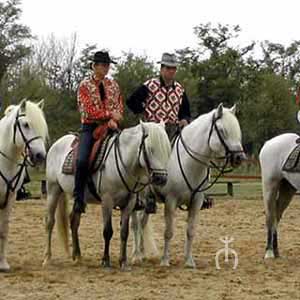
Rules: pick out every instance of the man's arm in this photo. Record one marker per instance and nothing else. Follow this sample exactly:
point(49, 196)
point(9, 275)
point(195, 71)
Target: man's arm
point(136, 102)
point(184, 110)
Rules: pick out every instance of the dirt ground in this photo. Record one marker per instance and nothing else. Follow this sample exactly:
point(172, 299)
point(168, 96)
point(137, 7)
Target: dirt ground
point(242, 220)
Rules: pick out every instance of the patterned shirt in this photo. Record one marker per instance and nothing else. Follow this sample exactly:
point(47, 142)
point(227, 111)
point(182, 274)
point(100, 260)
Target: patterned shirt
point(94, 104)
point(159, 102)
point(163, 103)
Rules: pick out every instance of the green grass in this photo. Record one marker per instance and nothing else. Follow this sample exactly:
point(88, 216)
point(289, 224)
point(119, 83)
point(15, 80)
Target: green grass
point(246, 189)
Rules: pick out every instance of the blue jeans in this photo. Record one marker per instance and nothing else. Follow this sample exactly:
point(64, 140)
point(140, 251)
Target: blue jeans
point(86, 142)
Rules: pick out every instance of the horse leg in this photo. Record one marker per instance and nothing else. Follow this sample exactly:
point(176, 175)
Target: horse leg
point(193, 213)
point(137, 235)
point(286, 193)
point(144, 218)
point(75, 223)
point(53, 194)
point(125, 215)
point(169, 214)
point(270, 191)
point(4, 227)
point(107, 232)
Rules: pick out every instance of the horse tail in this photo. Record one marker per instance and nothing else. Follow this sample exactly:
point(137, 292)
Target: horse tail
point(62, 216)
point(149, 241)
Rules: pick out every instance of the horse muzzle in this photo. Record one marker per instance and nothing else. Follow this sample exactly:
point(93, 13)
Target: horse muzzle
point(237, 159)
point(159, 178)
point(37, 158)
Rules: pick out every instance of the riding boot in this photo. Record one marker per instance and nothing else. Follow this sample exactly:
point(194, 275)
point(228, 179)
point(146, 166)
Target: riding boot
point(82, 166)
point(207, 203)
point(151, 206)
point(139, 205)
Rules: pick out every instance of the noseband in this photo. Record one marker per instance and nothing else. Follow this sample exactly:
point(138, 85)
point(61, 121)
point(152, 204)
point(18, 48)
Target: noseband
point(222, 170)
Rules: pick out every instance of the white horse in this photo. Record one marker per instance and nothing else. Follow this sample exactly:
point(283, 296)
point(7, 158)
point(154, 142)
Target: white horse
point(213, 135)
point(23, 133)
point(137, 154)
point(279, 186)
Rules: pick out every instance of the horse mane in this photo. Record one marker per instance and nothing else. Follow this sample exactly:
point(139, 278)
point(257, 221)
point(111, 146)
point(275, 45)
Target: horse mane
point(158, 138)
point(36, 119)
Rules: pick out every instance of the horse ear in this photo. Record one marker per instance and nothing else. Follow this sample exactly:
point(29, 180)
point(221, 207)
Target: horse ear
point(41, 104)
point(141, 122)
point(23, 104)
point(9, 109)
point(233, 109)
point(219, 111)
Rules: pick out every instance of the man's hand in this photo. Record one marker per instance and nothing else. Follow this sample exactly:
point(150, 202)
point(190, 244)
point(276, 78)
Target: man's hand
point(183, 123)
point(112, 124)
point(116, 116)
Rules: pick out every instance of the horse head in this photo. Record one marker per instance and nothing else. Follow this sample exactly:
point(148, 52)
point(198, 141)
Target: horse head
point(225, 138)
point(154, 151)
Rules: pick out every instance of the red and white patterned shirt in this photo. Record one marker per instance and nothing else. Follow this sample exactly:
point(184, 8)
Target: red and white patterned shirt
point(90, 104)
point(162, 103)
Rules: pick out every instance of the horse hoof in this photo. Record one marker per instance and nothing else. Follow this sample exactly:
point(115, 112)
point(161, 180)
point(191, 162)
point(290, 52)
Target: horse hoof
point(4, 266)
point(125, 268)
point(269, 254)
point(106, 264)
point(46, 262)
point(137, 259)
point(164, 263)
point(76, 260)
point(190, 264)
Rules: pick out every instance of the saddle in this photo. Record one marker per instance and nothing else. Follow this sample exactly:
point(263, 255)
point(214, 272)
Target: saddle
point(292, 164)
point(102, 136)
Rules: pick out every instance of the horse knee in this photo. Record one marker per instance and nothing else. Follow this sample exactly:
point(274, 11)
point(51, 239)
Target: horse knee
point(168, 234)
point(49, 222)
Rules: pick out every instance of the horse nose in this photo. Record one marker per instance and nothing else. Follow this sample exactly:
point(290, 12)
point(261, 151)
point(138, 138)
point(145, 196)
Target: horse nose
point(238, 158)
point(159, 179)
point(39, 157)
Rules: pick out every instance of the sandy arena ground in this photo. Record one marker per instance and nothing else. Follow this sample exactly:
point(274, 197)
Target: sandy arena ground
point(243, 220)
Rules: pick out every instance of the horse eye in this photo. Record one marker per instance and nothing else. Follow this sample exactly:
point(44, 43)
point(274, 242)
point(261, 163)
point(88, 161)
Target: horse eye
point(26, 125)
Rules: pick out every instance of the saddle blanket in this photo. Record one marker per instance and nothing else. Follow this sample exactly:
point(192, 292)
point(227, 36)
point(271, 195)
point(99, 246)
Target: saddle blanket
point(96, 160)
point(292, 164)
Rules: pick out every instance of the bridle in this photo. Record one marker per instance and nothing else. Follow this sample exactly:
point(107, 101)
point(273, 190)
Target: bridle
point(199, 158)
point(138, 186)
point(11, 184)
point(26, 141)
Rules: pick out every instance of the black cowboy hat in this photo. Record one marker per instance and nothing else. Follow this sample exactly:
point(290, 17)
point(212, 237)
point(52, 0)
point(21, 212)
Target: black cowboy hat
point(102, 57)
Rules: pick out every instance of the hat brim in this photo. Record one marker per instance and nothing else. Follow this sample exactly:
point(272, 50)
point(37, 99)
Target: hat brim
point(104, 62)
point(168, 64)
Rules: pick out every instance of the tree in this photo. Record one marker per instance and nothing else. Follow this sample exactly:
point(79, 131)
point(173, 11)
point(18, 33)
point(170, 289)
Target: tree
point(131, 72)
point(267, 109)
point(13, 36)
point(218, 69)
point(282, 60)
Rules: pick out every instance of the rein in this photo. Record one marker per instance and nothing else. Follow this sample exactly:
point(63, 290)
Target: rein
point(120, 163)
point(222, 170)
